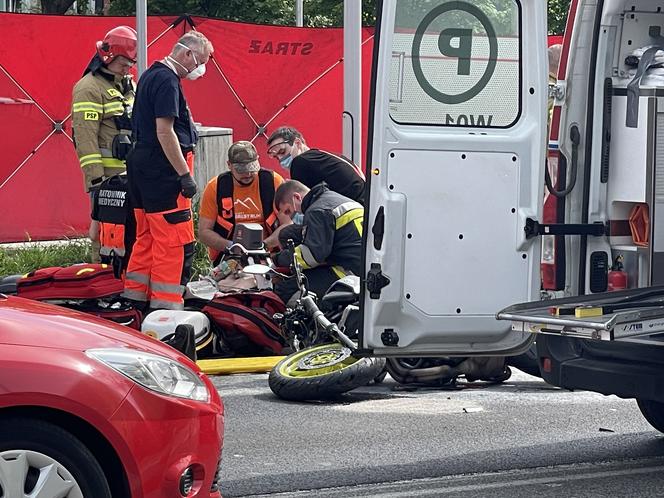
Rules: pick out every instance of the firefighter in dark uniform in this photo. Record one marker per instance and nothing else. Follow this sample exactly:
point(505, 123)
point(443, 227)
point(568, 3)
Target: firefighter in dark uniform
point(332, 236)
point(101, 110)
point(160, 177)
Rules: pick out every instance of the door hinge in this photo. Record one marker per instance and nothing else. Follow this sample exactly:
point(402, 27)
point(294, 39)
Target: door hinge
point(376, 281)
point(557, 92)
point(534, 228)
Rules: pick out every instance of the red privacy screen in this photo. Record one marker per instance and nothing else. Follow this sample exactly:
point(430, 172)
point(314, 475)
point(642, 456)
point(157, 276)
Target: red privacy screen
point(261, 77)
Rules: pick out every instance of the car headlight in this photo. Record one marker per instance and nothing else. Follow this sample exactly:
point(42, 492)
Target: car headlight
point(154, 372)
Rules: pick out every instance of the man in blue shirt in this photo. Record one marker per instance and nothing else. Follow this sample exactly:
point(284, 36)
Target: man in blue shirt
point(159, 170)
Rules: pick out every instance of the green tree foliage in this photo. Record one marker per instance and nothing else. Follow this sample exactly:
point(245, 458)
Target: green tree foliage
point(558, 16)
point(320, 13)
point(56, 6)
point(317, 13)
point(503, 15)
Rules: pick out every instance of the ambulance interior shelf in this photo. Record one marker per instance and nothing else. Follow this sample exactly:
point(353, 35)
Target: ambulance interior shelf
point(632, 170)
point(630, 243)
point(610, 316)
point(631, 143)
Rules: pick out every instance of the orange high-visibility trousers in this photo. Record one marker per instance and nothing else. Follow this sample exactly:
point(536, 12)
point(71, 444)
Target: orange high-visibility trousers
point(112, 239)
point(137, 277)
point(160, 264)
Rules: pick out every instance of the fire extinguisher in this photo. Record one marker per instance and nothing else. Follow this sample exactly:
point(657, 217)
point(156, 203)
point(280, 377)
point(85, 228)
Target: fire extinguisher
point(617, 275)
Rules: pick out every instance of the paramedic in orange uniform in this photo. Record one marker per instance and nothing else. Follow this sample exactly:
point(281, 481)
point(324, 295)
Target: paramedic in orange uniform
point(160, 177)
point(245, 194)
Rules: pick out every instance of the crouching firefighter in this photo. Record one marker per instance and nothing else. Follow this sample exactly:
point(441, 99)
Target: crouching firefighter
point(331, 246)
point(101, 115)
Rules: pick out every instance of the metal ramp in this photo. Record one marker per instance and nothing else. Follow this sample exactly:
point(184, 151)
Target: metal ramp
point(611, 316)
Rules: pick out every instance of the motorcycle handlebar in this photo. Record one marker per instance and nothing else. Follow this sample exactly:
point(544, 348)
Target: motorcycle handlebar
point(236, 246)
point(237, 249)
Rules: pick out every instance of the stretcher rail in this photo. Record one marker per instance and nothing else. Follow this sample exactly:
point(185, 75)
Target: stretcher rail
point(607, 316)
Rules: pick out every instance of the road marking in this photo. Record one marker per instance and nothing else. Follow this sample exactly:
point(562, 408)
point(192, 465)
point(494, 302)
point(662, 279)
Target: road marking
point(440, 487)
point(226, 392)
point(509, 479)
point(413, 405)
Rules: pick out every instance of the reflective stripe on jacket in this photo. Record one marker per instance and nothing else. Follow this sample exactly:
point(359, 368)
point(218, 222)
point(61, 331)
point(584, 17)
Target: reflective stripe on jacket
point(97, 101)
point(332, 232)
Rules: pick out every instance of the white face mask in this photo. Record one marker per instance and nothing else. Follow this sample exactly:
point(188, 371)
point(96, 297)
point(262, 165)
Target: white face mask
point(195, 73)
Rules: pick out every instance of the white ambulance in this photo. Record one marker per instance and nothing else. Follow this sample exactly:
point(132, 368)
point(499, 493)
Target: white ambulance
point(454, 222)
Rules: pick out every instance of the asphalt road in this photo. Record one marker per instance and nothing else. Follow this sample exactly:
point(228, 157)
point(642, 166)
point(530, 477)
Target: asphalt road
point(521, 438)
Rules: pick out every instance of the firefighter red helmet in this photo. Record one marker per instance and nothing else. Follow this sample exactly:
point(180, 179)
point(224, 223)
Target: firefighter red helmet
point(118, 41)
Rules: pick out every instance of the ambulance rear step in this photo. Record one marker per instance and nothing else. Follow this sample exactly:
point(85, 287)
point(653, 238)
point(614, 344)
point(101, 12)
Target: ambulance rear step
point(610, 316)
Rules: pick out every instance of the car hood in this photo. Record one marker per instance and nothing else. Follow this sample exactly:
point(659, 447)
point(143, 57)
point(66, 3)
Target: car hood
point(31, 323)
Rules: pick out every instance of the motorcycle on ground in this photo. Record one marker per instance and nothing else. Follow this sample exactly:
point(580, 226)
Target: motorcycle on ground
point(231, 311)
point(322, 334)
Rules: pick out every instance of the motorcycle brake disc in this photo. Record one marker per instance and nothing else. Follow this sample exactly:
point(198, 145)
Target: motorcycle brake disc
point(323, 358)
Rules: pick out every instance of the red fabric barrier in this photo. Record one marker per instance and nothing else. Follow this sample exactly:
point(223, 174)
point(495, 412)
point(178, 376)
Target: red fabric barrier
point(261, 77)
point(555, 39)
point(41, 58)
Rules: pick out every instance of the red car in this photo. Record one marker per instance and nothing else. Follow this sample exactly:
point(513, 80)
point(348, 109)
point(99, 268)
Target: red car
point(89, 409)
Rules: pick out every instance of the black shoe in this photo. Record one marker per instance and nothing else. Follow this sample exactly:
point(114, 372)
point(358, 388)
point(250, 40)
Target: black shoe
point(141, 306)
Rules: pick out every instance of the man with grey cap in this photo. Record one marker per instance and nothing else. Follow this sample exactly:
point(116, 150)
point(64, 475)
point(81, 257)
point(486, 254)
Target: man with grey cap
point(245, 194)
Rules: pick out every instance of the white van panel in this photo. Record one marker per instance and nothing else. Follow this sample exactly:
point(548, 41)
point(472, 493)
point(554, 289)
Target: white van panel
point(455, 190)
point(454, 225)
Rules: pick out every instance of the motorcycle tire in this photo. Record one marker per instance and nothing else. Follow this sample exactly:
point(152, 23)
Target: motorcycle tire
point(322, 372)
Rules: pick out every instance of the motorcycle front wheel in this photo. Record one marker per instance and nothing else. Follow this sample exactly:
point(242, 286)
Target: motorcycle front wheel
point(322, 372)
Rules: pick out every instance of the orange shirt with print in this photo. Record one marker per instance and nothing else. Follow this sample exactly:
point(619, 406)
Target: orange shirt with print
point(247, 205)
